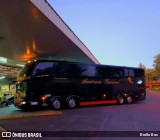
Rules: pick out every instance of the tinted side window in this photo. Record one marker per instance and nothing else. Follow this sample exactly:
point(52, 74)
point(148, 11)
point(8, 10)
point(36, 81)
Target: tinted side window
point(88, 70)
point(118, 72)
point(64, 69)
point(73, 69)
point(58, 69)
point(61, 69)
point(110, 72)
point(129, 72)
point(43, 68)
point(105, 72)
point(68, 69)
point(125, 72)
point(139, 73)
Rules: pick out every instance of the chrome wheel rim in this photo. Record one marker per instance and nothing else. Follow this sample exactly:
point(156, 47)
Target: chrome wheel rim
point(129, 99)
point(72, 103)
point(56, 104)
point(121, 100)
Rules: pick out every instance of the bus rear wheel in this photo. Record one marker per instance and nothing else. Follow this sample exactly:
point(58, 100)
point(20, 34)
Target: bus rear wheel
point(129, 99)
point(56, 104)
point(120, 100)
point(72, 102)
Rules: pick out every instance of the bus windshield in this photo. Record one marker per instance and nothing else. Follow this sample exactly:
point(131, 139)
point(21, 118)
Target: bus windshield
point(22, 86)
point(26, 71)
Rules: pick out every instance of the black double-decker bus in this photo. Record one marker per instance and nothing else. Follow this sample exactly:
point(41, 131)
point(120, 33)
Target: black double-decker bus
point(59, 83)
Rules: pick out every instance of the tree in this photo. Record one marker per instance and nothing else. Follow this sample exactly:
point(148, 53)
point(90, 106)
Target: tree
point(157, 65)
point(141, 66)
point(150, 74)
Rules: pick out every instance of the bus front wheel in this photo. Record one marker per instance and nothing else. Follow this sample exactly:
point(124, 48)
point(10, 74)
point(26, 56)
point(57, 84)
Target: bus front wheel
point(129, 99)
point(56, 104)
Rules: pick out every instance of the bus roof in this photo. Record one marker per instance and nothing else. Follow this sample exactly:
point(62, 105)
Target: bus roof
point(37, 61)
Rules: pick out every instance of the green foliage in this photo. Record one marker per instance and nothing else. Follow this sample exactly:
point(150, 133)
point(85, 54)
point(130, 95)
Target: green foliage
point(153, 74)
point(156, 65)
point(150, 75)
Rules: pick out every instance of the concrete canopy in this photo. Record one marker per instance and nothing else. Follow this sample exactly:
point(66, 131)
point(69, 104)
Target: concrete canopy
point(31, 29)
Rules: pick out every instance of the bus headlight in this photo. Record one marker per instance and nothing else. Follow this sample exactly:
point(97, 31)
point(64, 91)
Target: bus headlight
point(23, 103)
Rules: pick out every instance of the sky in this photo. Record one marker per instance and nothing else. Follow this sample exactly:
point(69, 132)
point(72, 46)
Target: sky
point(117, 32)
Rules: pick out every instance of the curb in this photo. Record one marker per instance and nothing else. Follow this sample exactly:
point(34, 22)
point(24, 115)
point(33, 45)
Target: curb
point(31, 115)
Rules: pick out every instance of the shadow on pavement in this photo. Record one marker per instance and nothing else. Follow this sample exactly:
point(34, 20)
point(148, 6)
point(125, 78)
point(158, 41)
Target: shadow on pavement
point(11, 112)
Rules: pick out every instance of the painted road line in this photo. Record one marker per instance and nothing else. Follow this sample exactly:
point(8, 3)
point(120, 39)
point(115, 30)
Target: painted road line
point(31, 114)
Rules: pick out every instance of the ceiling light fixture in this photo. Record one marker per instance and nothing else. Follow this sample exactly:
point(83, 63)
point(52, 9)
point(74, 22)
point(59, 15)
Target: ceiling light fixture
point(2, 77)
point(20, 65)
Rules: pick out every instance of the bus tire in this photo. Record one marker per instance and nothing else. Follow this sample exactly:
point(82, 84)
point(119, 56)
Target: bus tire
point(129, 99)
point(56, 103)
point(72, 102)
point(121, 99)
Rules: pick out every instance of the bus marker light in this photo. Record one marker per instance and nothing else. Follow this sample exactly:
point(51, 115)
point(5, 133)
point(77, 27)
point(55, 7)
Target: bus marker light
point(43, 98)
point(104, 96)
point(98, 102)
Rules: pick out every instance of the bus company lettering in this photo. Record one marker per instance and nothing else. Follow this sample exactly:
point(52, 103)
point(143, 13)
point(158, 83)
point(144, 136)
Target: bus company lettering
point(109, 81)
point(91, 81)
point(60, 79)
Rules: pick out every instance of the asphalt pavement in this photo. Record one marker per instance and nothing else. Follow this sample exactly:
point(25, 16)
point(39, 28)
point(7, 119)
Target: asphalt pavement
point(141, 117)
point(11, 112)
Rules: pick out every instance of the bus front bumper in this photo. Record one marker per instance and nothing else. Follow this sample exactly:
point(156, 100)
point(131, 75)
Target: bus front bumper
point(21, 102)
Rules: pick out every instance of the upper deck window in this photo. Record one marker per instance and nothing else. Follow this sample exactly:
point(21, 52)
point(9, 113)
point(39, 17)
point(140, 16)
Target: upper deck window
point(129, 72)
point(73, 69)
point(89, 70)
point(43, 68)
point(111, 72)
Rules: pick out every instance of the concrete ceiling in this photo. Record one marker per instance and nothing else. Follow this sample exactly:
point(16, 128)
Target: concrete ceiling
point(26, 32)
